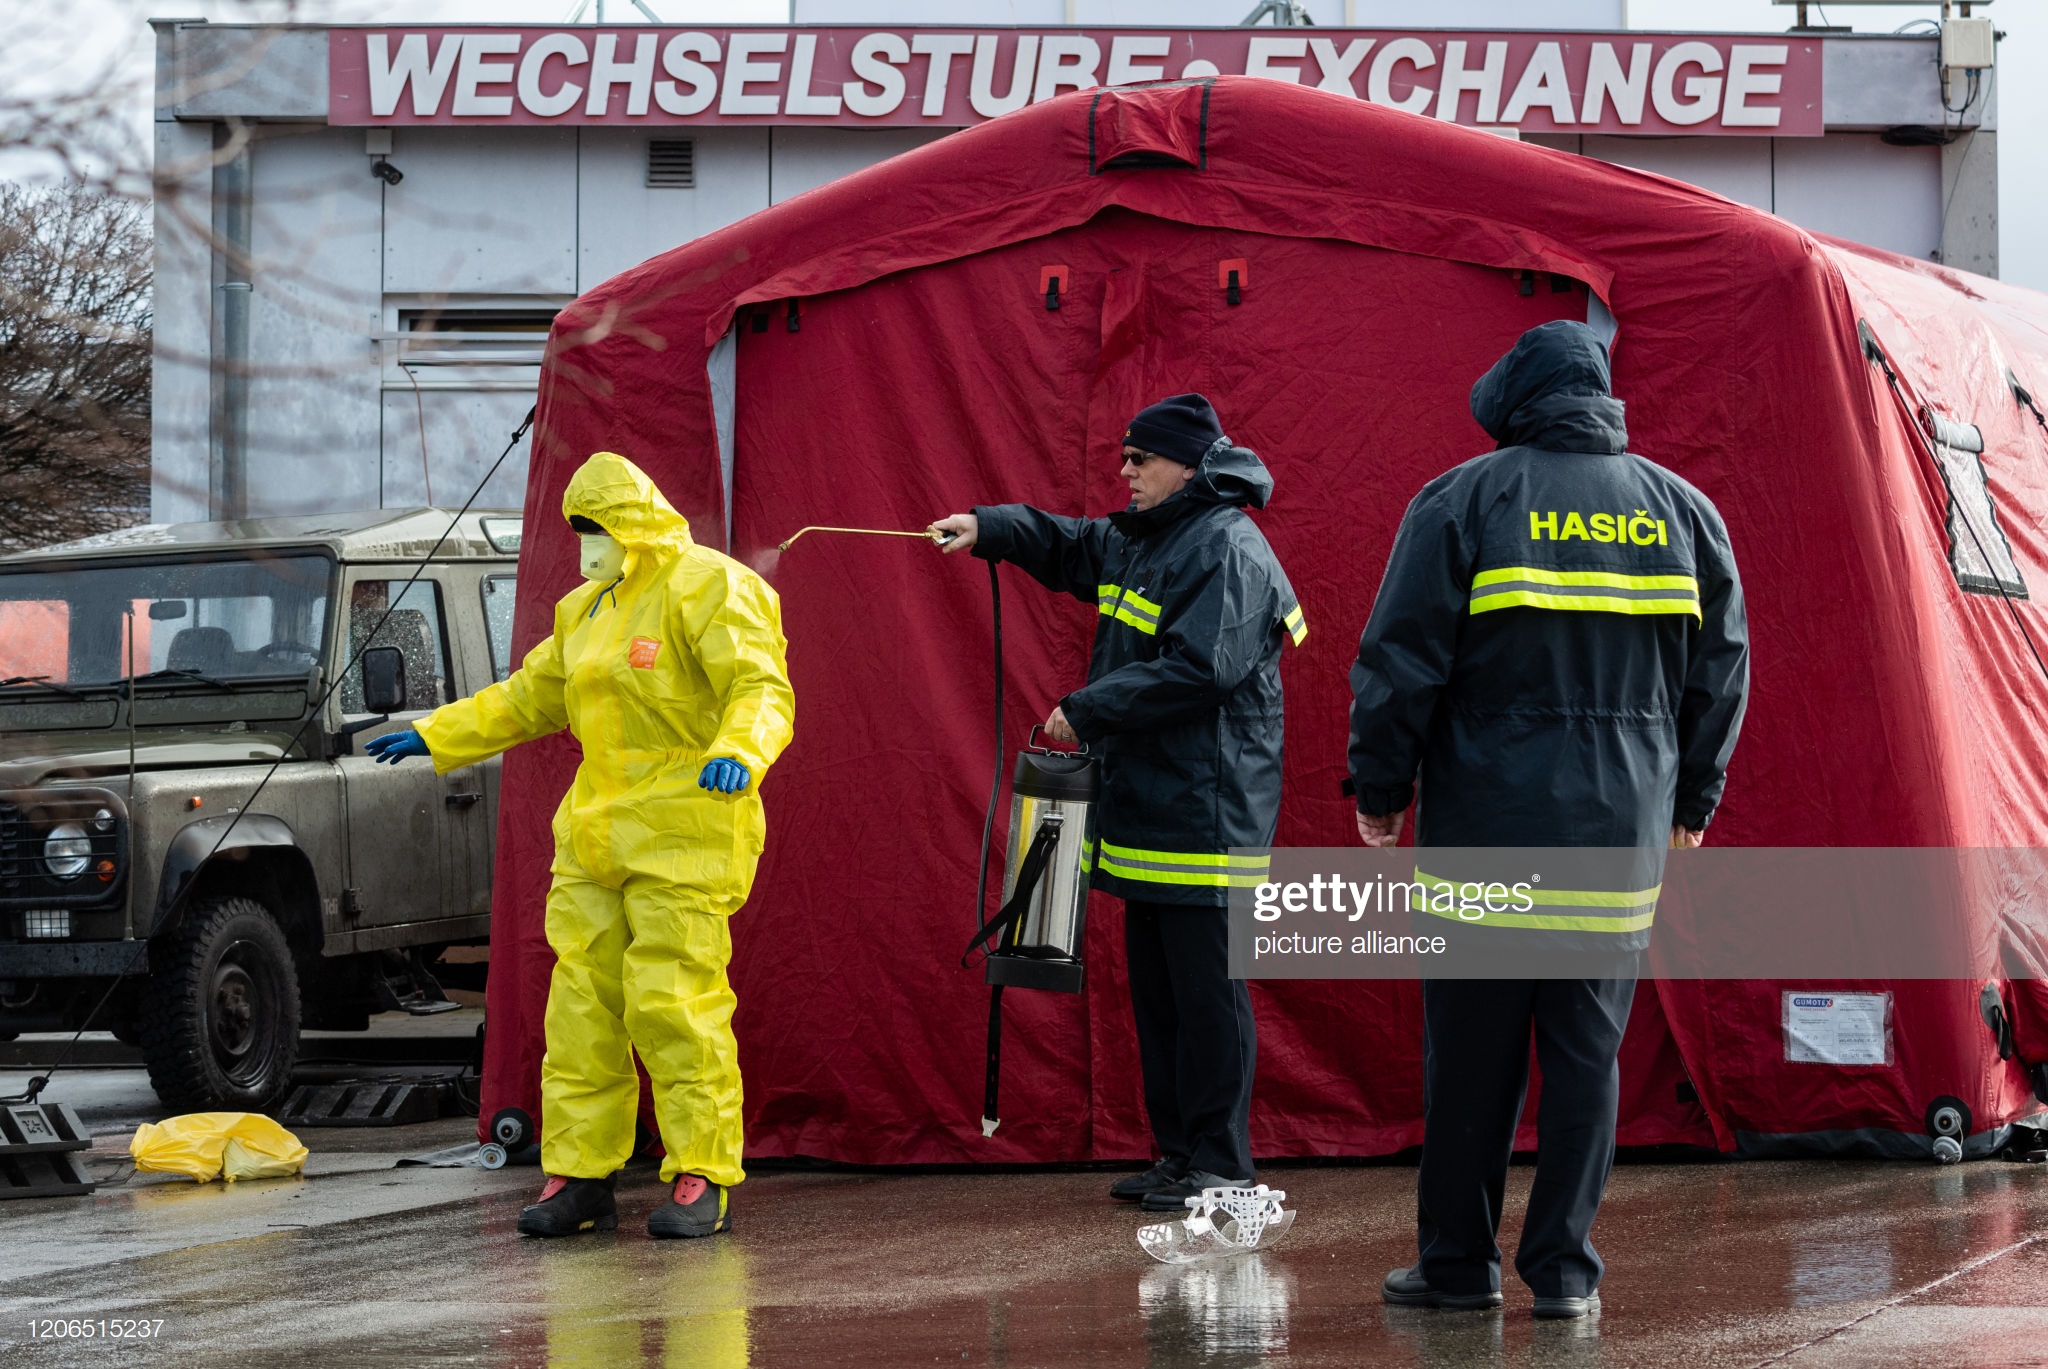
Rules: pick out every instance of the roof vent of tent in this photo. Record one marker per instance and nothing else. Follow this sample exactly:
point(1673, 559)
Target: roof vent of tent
point(672, 163)
point(1149, 126)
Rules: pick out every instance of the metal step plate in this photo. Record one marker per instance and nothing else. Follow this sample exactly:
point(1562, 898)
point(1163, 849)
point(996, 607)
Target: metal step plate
point(39, 1145)
point(367, 1103)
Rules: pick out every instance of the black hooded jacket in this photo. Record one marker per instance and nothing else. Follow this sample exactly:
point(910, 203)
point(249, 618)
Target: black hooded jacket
point(1183, 695)
point(1558, 648)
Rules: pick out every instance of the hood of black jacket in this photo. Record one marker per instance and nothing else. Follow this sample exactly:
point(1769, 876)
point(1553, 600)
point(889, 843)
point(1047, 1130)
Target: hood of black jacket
point(1552, 391)
point(1228, 476)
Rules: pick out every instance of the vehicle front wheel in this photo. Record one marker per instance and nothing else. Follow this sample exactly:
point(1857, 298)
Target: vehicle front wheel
point(220, 1016)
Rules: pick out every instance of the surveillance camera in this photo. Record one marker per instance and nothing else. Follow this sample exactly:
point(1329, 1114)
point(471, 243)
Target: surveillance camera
point(386, 172)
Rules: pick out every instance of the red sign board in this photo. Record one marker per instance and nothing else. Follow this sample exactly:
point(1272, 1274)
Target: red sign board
point(951, 77)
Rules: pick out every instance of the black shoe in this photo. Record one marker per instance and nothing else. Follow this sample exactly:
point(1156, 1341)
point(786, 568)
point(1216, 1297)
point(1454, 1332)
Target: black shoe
point(695, 1207)
point(570, 1206)
point(1174, 1197)
point(1407, 1288)
point(1567, 1309)
point(1133, 1187)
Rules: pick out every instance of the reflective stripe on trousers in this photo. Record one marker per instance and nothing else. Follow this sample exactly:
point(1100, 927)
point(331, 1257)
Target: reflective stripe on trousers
point(1555, 910)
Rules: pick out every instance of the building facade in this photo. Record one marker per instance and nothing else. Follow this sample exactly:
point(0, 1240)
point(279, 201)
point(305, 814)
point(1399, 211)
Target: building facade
point(362, 233)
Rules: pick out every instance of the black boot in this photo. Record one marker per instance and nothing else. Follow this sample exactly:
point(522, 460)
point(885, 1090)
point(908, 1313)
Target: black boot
point(1407, 1288)
point(570, 1206)
point(1133, 1187)
point(1174, 1197)
point(695, 1207)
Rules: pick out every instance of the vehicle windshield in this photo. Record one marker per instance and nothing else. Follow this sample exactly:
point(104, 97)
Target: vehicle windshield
point(245, 618)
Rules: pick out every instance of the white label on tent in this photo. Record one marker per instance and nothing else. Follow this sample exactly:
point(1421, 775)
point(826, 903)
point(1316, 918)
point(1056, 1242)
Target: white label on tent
point(1838, 1028)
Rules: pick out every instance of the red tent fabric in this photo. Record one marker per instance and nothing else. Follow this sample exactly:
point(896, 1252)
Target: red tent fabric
point(893, 356)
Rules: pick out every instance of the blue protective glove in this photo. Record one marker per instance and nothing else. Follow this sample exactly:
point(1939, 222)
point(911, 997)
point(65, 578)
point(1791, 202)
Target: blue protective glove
point(726, 776)
point(393, 747)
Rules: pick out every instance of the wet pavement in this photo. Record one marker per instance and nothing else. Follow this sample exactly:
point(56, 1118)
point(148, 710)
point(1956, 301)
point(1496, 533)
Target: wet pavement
point(1814, 1265)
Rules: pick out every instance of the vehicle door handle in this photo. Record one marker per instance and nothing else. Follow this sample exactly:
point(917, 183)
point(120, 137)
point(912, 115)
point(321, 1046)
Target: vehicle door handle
point(461, 800)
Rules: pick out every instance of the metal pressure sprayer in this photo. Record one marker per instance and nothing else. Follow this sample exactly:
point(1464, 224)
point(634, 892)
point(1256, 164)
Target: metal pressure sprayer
point(1045, 872)
point(1038, 932)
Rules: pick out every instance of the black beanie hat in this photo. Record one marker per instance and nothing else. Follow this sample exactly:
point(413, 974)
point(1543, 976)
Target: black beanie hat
point(1181, 429)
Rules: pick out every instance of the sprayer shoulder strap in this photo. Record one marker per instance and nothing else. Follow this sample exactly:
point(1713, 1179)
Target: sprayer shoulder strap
point(1028, 875)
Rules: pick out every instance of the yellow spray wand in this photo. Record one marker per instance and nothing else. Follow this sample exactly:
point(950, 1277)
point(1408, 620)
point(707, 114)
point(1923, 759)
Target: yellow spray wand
point(928, 535)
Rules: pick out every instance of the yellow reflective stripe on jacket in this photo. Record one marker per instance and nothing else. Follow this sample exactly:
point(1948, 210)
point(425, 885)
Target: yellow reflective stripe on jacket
point(1296, 625)
point(1215, 870)
point(1559, 910)
point(1127, 607)
point(1594, 591)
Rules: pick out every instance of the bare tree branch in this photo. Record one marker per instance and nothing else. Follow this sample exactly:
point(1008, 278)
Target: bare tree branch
point(74, 364)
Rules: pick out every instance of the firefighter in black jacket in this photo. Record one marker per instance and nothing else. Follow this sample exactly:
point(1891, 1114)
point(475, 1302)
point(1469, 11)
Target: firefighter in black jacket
point(1559, 651)
point(1183, 706)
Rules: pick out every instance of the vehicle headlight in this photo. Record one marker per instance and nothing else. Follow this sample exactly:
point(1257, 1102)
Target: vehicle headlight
point(67, 850)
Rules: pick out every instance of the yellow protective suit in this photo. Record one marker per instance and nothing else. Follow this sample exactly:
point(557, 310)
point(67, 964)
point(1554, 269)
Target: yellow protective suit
point(677, 663)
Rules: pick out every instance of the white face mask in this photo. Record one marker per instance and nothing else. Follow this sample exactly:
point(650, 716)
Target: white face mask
point(604, 557)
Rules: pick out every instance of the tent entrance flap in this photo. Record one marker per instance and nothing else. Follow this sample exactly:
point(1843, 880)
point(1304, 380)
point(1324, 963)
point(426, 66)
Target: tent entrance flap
point(719, 370)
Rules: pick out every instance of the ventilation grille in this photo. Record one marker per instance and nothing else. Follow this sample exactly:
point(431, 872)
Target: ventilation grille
point(672, 163)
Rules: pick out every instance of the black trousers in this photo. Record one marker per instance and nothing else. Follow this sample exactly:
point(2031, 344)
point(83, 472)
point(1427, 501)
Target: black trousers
point(1197, 1045)
point(1475, 1075)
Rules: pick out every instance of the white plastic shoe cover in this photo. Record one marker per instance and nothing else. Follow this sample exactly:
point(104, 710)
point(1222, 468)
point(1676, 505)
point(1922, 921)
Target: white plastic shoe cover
point(1225, 1221)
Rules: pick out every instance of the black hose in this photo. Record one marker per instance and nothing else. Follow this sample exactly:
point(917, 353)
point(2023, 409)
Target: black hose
point(992, 1073)
point(390, 608)
point(995, 784)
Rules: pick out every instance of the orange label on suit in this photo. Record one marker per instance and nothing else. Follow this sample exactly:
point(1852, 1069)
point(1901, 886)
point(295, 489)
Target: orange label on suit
point(642, 653)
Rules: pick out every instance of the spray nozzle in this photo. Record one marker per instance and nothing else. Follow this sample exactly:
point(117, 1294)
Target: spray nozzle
point(932, 535)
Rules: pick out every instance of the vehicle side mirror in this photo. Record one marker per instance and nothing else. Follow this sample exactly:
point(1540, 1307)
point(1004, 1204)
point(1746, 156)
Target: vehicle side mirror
point(384, 679)
point(164, 610)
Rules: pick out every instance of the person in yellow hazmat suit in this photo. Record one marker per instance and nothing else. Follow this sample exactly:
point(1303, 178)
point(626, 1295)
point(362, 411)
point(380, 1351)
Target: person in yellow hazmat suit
point(668, 668)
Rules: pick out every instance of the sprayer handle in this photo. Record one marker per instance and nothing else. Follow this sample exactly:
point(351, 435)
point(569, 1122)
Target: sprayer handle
point(1031, 744)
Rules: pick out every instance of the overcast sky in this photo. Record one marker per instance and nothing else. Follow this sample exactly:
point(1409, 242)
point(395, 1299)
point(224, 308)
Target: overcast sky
point(49, 45)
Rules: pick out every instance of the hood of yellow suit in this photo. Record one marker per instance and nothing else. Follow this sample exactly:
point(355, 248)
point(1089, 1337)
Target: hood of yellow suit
point(616, 495)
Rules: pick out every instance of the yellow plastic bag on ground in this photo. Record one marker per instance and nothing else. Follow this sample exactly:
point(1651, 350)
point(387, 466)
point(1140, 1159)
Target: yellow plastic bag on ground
point(204, 1145)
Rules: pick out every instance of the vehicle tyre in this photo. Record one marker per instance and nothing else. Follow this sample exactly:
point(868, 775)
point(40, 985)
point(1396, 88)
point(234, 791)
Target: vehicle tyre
point(220, 1015)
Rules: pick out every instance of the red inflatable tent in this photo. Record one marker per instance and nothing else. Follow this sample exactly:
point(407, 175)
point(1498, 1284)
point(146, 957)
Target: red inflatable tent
point(886, 349)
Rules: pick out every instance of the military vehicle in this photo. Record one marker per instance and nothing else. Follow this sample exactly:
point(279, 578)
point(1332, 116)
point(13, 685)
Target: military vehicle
point(195, 853)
